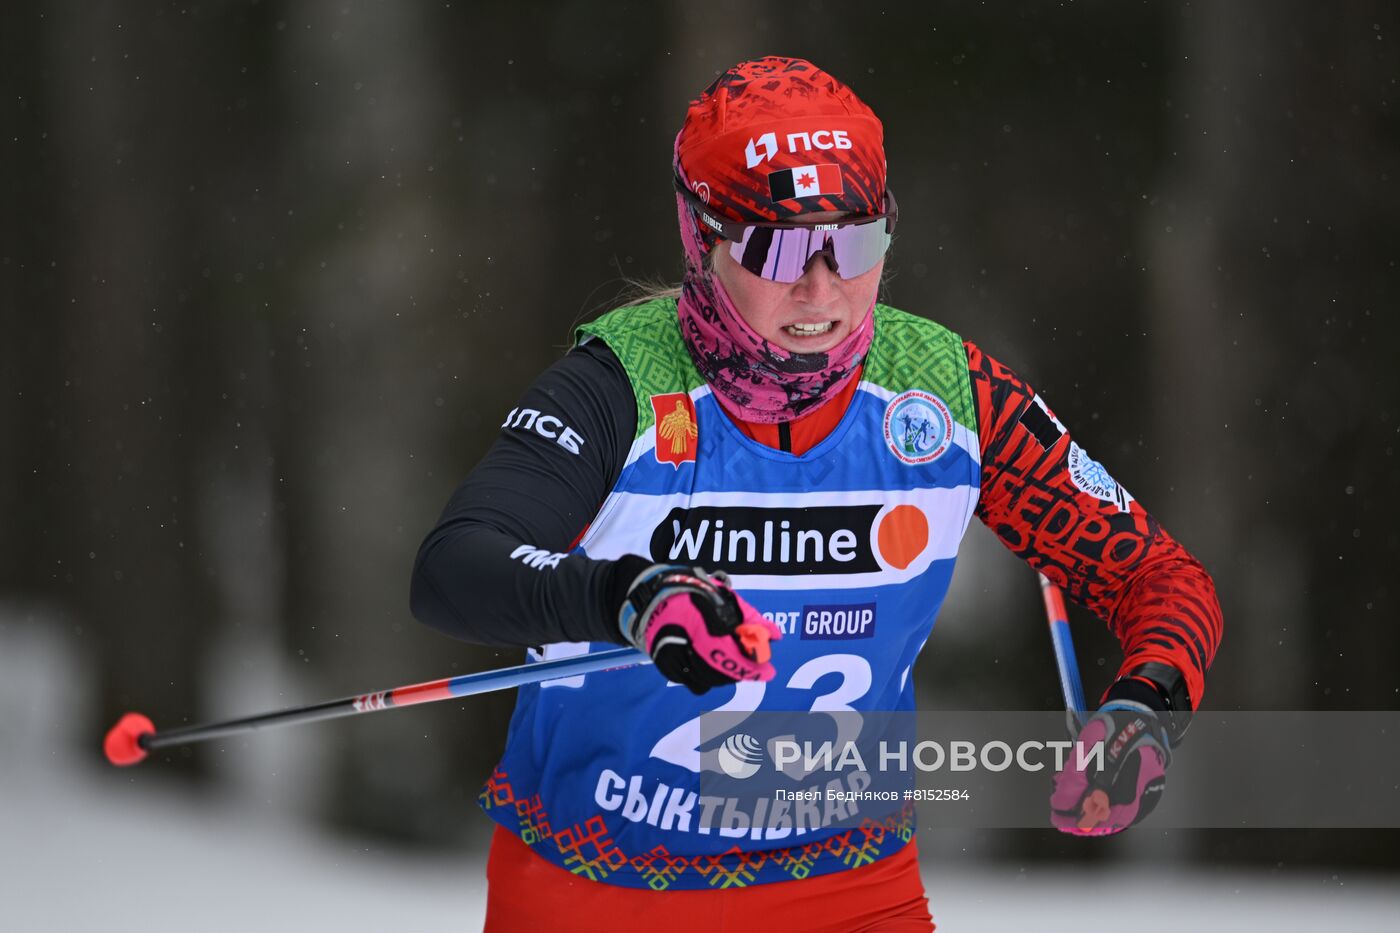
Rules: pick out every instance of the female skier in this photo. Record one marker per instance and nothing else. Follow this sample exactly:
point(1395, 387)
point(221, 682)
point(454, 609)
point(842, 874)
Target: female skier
point(762, 483)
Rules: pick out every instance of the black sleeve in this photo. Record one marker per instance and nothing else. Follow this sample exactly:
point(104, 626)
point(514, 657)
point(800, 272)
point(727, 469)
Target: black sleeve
point(495, 570)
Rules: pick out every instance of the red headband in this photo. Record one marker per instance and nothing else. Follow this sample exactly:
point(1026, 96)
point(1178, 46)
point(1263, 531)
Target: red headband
point(775, 137)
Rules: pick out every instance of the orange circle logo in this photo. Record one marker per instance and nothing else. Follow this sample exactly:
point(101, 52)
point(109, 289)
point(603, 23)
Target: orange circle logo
point(902, 535)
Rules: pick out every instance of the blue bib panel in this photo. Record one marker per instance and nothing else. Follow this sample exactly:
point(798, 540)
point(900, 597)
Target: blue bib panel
point(849, 548)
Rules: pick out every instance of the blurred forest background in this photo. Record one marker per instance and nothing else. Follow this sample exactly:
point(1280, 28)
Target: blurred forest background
point(271, 274)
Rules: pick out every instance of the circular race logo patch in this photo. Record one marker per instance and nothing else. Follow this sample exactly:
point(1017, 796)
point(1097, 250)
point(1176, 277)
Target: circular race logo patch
point(1090, 476)
point(918, 426)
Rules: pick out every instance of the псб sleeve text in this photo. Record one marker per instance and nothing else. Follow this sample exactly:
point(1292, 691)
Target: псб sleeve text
point(496, 569)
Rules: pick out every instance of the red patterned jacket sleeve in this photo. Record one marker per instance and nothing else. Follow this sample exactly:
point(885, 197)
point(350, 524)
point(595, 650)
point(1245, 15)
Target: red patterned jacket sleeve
point(1060, 511)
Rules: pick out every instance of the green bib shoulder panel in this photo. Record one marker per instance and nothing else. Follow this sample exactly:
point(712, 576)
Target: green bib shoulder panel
point(907, 352)
point(647, 341)
point(912, 352)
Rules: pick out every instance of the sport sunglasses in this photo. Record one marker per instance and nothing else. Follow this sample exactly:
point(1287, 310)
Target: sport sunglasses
point(780, 252)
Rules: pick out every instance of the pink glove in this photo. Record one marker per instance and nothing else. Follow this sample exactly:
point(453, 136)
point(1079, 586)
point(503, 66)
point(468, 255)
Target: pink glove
point(1090, 802)
point(698, 631)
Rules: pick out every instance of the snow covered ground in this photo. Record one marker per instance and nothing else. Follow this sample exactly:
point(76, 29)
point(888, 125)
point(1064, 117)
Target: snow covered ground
point(84, 853)
point(87, 847)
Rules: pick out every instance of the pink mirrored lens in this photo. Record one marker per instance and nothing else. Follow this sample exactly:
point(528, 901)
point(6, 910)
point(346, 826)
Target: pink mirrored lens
point(781, 254)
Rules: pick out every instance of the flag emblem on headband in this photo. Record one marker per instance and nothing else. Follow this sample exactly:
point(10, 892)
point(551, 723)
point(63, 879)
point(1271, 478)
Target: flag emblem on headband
point(805, 181)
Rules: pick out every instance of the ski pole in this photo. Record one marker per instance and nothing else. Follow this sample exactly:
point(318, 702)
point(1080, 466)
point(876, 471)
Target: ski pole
point(134, 735)
point(1063, 642)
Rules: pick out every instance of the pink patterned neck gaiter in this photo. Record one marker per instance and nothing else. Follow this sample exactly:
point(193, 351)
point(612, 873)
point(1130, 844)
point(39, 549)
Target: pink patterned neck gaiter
point(753, 379)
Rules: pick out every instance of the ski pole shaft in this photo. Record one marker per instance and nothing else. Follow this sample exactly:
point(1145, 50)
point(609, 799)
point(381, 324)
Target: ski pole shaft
point(134, 736)
point(1063, 642)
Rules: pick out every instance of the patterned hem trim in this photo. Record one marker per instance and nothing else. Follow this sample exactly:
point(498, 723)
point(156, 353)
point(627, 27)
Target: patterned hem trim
point(588, 850)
